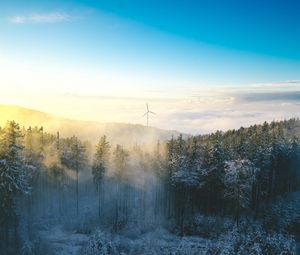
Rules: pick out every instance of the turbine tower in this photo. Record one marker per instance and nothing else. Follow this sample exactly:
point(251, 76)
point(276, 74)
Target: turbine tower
point(147, 114)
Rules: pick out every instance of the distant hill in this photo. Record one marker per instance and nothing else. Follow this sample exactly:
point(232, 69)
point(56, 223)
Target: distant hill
point(121, 133)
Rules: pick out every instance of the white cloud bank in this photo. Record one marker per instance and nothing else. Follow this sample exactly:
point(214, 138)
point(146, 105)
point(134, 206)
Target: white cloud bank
point(98, 97)
point(53, 17)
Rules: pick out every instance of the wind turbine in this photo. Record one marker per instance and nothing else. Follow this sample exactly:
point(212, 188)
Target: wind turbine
point(147, 114)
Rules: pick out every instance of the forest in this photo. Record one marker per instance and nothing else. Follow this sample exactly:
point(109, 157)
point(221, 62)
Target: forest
point(228, 192)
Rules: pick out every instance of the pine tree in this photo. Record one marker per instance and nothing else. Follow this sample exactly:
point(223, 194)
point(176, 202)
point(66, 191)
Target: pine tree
point(212, 174)
point(14, 172)
point(56, 170)
point(120, 165)
point(74, 157)
point(100, 165)
point(239, 178)
point(120, 162)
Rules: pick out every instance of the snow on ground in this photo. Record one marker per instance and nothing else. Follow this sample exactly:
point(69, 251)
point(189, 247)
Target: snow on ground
point(62, 242)
point(159, 241)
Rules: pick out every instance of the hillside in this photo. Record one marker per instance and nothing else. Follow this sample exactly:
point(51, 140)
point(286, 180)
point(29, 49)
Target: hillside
point(122, 133)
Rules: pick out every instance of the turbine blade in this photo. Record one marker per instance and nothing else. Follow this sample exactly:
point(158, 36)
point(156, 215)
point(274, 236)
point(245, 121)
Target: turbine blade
point(152, 112)
point(145, 114)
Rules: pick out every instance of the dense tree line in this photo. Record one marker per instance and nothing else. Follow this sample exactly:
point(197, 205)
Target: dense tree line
point(235, 173)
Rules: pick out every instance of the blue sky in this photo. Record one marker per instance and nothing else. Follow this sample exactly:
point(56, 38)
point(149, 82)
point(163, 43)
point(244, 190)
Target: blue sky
point(211, 42)
point(116, 48)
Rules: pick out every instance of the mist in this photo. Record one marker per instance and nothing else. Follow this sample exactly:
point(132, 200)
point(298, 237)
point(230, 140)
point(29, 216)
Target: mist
point(185, 194)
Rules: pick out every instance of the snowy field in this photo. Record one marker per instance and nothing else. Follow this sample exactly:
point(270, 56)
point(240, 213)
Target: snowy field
point(57, 240)
point(61, 242)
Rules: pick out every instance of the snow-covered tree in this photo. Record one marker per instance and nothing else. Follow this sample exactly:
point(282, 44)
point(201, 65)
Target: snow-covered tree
point(100, 164)
point(14, 172)
point(74, 157)
point(120, 165)
point(239, 178)
point(179, 162)
point(212, 174)
point(120, 162)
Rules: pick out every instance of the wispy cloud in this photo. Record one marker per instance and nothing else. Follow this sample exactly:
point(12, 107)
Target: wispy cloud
point(52, 17)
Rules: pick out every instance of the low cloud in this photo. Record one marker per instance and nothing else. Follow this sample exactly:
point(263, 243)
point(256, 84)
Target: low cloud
point(269, 96)
point(212, 114)
point(53, 17)
point(195, 110)
point(189, 110)
point(231, 107)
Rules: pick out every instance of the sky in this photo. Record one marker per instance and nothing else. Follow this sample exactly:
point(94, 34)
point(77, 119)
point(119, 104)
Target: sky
point(201, 65)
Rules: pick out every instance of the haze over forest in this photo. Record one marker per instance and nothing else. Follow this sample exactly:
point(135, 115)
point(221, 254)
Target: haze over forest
point(117, 133)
